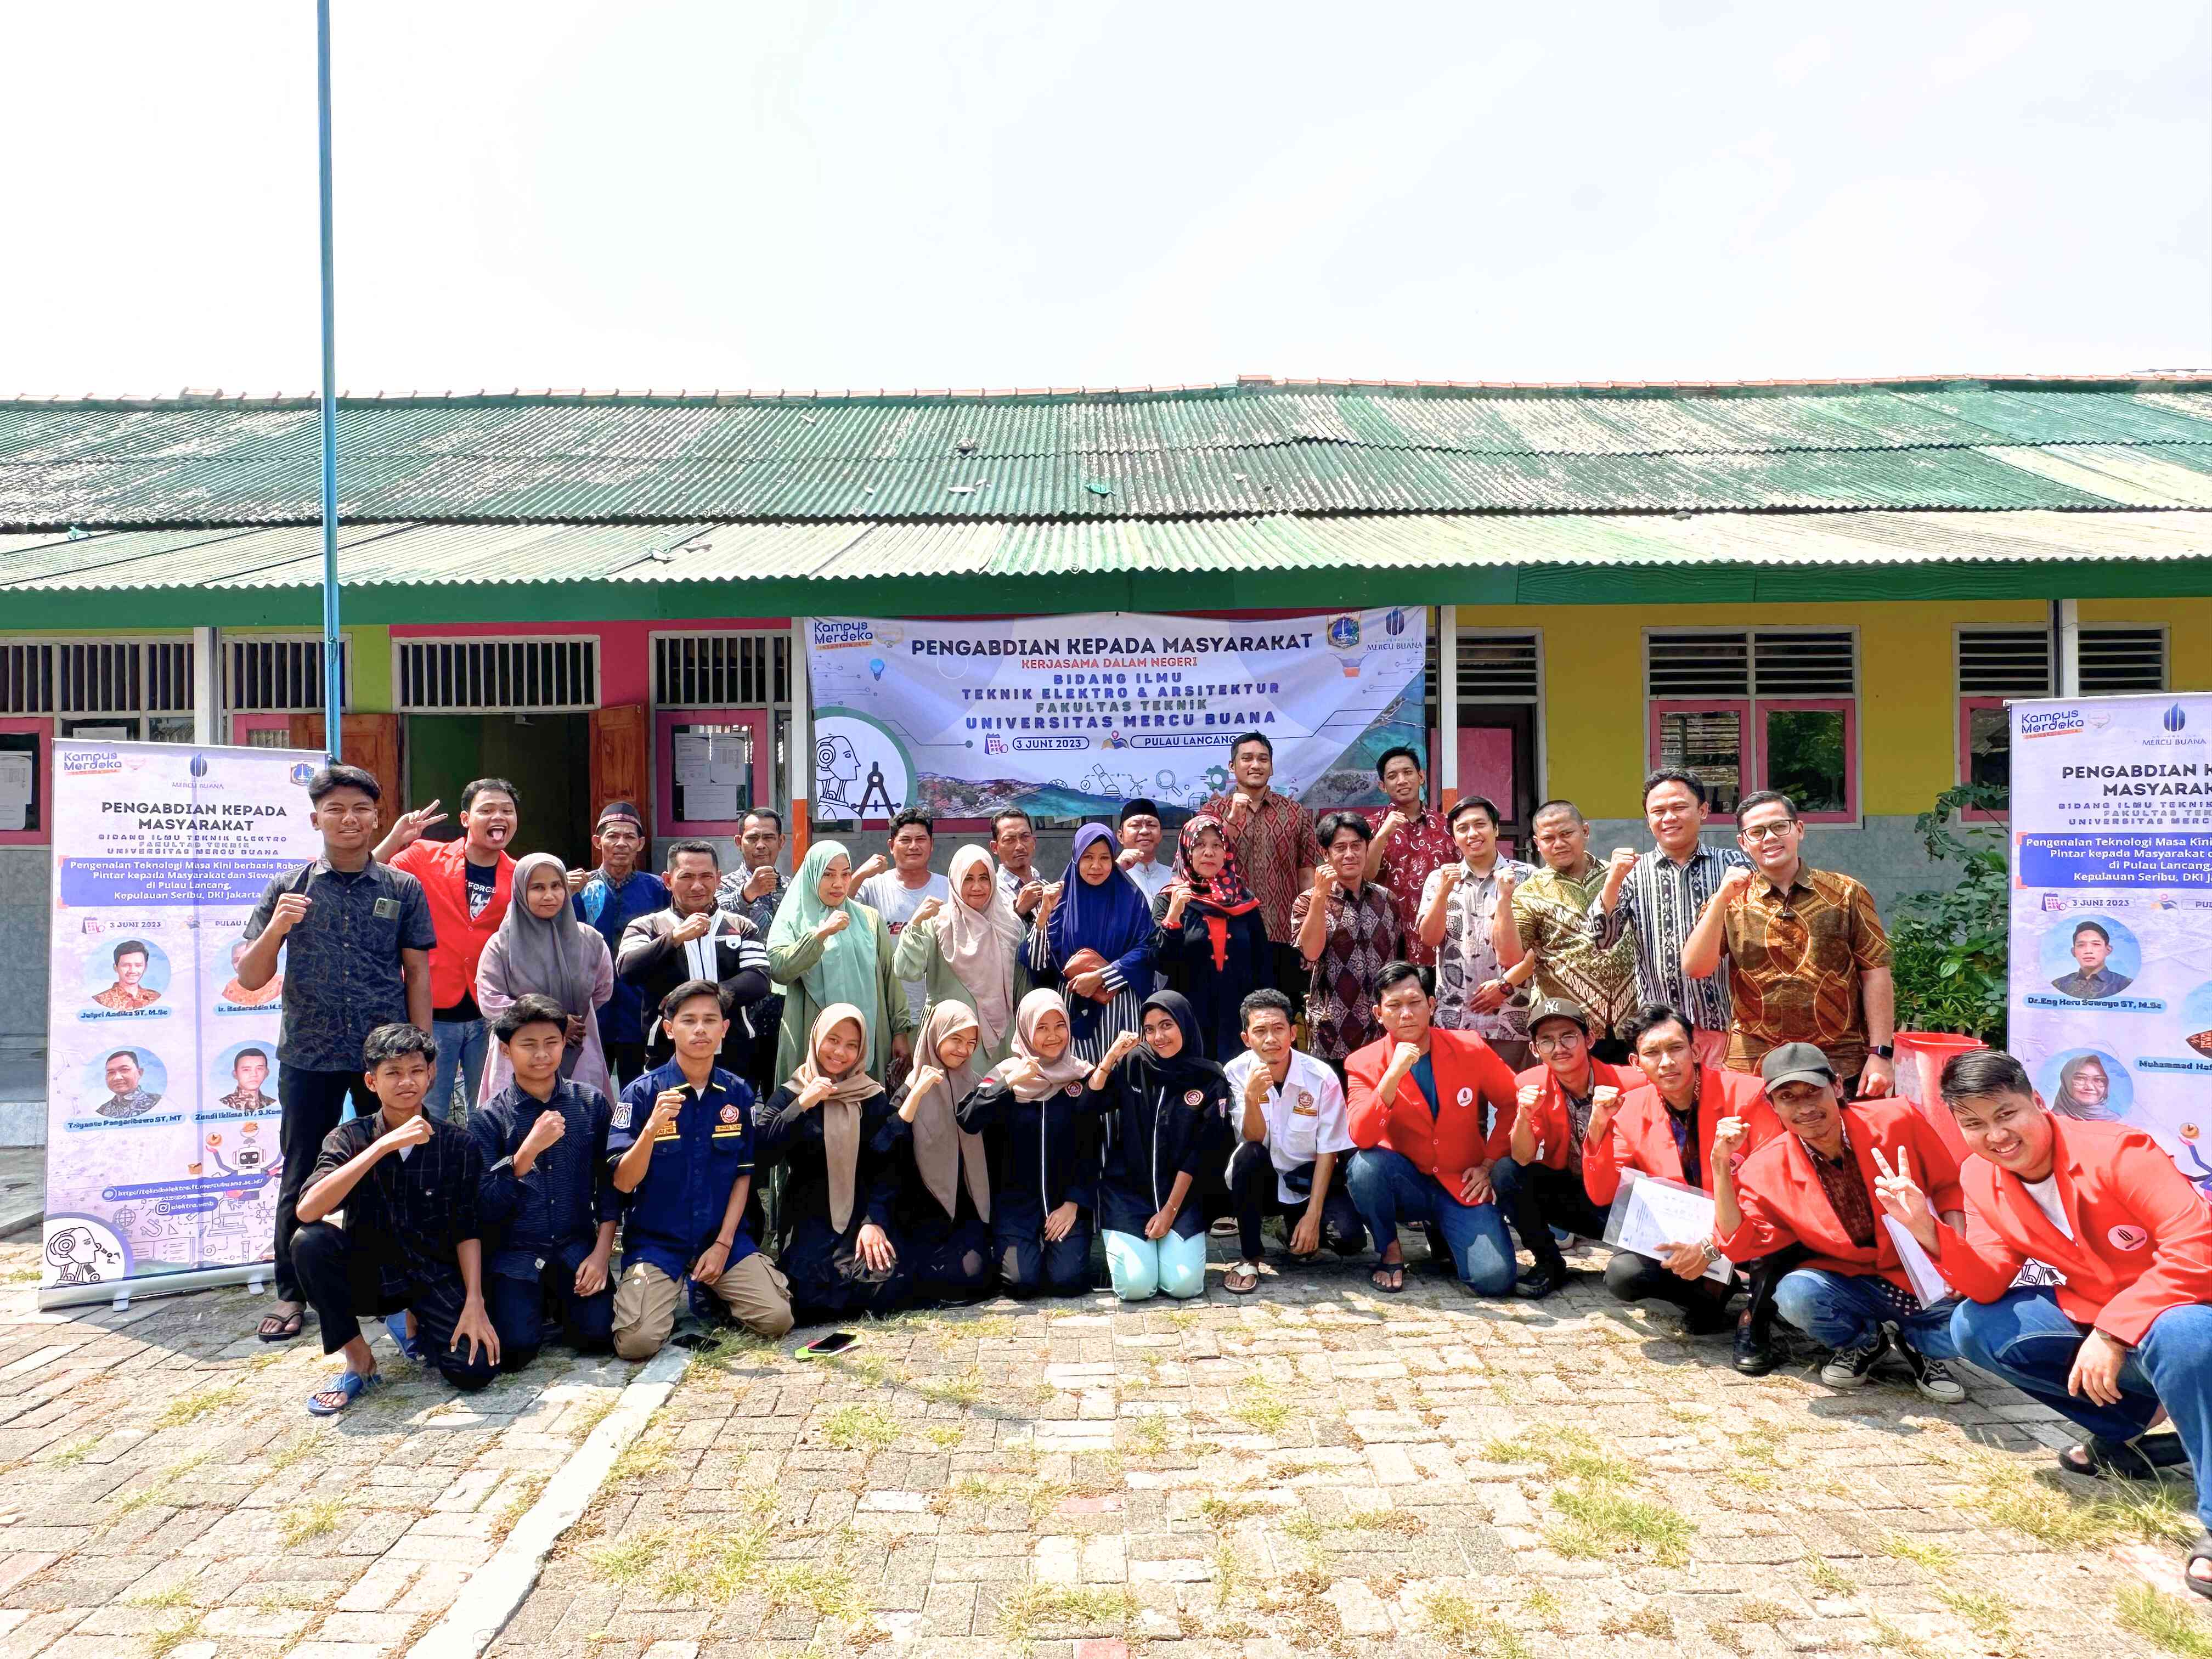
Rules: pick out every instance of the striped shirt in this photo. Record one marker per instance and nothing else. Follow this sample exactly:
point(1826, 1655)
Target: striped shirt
point(1660, 904)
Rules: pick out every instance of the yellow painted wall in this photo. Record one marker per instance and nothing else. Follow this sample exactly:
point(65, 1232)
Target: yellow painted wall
point(1594, 721)
point(2188, 622)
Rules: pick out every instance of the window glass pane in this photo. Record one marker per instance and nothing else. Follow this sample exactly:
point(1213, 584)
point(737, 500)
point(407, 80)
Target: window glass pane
point(1988, 747)
point(169, 728)
point(1708, 744)
point(1805, 758)
point(105, 728)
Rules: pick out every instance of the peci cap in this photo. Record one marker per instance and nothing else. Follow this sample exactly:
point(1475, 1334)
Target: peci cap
point(620, 812)
point(1796, 1062)
point(1557, 1008)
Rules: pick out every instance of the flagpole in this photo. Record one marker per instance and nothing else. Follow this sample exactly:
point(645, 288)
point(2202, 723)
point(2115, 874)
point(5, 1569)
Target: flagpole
point(333, 648)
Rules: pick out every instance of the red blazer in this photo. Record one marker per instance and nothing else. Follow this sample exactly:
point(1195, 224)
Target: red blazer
point(1553, 1124)
point(1642, 1140)
point(1783, 1202)
point(461, 939)
point(2142, 1237)
point(1468, 1073)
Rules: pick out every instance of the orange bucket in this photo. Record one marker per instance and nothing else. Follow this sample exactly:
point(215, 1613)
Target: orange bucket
point(1920, 1059)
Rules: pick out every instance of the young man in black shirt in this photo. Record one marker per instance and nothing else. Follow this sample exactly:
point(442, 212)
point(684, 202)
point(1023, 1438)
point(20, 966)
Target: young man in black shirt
point(546, 1201)
point(410, 1242)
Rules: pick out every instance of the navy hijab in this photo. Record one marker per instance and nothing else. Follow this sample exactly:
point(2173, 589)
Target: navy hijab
point(1188, 1067)
point(1112, 918)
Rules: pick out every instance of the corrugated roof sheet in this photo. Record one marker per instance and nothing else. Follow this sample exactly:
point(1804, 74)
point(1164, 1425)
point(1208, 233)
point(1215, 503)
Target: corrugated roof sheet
point(432, 556)
point(1222, 451)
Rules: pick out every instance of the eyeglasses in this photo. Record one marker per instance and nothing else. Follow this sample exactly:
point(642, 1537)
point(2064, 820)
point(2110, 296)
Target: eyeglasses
point(1768, 831)
point(1544, 1045)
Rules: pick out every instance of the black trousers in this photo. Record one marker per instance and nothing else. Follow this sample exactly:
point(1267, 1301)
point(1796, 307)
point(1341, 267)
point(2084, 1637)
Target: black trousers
point(1537, 1198)
point(1252, 1180)
point(1632, 1278)
point(310, 1104)
point(522, 1310)
point(1293, 978)
point(625, 1064)
point(345, 1278)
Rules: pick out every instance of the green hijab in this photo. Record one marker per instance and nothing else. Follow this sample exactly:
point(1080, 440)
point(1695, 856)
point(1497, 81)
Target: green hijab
point(847, 971)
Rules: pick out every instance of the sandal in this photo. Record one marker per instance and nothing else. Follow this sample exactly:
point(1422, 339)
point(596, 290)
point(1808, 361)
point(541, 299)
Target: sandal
point(2200, 1555)
point(1389, 1277)
point(350, 1387)
point(281, 1327)
point(410, 1347)
point(2140, 1458)
point(1244, 1272)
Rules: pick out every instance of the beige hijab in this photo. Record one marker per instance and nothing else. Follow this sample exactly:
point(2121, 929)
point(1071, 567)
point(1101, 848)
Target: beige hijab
point(1054, 1074)
point(841, 1112)
point(943, 1152)
point(979, 945)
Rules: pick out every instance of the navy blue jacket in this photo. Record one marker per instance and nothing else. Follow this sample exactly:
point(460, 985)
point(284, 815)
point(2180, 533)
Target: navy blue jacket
point(554, 1213)
point(1043, 1152)
point(676, 1211)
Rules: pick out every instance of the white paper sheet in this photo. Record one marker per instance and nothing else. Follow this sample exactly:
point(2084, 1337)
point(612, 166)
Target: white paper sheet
point(728, 760)
point(710, 803)
point(1650, 1213)
point(691, 764)
point(15, 789)
point(1928, 1283)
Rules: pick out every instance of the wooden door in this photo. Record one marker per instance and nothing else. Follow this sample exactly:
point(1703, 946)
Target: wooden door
point(618, 757)
point(371, 743)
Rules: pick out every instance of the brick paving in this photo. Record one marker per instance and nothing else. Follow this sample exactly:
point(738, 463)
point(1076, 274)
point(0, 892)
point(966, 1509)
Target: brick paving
point(1323, 1469)
point(163, 1490)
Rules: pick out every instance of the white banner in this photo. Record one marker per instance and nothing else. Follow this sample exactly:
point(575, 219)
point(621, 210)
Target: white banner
point(1070, 716)
point(161, 1116)
point(2112, 913)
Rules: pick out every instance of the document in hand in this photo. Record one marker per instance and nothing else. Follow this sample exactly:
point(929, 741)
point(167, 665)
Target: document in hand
point(1651, 1213)
point(1928, 1283)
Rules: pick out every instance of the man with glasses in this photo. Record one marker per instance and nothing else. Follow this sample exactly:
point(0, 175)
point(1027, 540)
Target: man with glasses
point(1655, 899)
point(1540, 1182)
point(1808, 961)
point(359, 937)
point(608, 899)
point(1546, 919)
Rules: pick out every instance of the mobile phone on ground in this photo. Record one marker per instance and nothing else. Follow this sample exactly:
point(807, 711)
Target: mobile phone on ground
point(823, 1346)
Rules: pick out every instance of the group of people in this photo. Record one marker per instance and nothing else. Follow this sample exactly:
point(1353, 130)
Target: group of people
point(801, 1100)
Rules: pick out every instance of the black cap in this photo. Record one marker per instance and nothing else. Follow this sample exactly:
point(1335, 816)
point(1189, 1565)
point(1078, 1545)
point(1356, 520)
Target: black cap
point(1796, 1062)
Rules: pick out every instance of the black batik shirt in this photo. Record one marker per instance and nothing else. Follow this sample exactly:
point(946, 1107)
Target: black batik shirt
point(343, 977)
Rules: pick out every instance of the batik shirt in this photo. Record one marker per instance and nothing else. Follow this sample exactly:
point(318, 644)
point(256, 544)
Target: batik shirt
point(1551, 912)
point(1273, 840)
point(1410, 855)
point(1795, 961)
point(1365, 935)
point(1467, 958)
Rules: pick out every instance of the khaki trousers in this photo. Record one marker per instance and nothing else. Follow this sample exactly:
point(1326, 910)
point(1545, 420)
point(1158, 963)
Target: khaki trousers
point(755, 1290)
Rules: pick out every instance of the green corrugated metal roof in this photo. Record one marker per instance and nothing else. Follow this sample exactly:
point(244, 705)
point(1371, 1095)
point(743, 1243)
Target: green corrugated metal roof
point(1227, 452)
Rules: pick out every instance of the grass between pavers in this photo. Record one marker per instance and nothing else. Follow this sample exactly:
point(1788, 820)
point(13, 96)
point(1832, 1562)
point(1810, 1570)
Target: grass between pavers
point(191, 1406)
point(1987, 1616)
point(1458, 1620)
point(2036, 1502)
point(74, 1453)
point(2168, 1620)
point(1067, 1610)
point(858, 1428)
point(1927, 1553)
point(1828, 1578)
point(1260, 1407)
point(315, 1518)
point(165, 1641)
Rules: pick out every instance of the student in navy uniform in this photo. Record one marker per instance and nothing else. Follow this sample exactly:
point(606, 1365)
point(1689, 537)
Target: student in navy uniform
point(681, 1145)
point(608, 899)
point(547, 1199)
point(1035, 1111)
point(943, 1210)
point(829, 1126)
point(1168, 1118)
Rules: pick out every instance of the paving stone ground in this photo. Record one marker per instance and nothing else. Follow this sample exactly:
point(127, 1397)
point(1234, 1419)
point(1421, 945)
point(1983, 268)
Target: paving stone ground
point(163, 1492)
point(1323, 1469)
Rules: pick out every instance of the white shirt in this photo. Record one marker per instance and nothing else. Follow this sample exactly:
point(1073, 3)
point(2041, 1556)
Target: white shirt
point(2045, 1195)
point(1151, 878)
point(896, 902)
point(1306, 1115)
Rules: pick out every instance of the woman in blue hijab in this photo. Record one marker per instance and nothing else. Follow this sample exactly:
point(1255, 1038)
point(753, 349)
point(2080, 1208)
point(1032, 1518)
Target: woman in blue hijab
point(1092, 938)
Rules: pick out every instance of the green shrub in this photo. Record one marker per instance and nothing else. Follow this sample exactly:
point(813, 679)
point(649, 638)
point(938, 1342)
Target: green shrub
point(1950, 955)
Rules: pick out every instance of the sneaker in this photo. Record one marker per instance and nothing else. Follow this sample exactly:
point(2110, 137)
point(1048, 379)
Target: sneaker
point(1851, 1368)
point(1541, 1280)
point(1933, 1378)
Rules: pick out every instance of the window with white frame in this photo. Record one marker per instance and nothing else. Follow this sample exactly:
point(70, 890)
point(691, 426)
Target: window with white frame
point(1744, 709)
point(725, 670)
point(496, 677)
point(280, 673)
point(127, 691)
point(2116, 658)
point(1995, 664)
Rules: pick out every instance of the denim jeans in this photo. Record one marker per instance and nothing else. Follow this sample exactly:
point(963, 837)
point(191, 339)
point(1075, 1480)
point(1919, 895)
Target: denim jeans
point(1389, 1189)
point(1844, 1310)
point(463, 1047)
point(2026, 1337)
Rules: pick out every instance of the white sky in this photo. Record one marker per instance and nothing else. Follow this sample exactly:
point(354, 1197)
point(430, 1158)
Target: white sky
point(941, 194)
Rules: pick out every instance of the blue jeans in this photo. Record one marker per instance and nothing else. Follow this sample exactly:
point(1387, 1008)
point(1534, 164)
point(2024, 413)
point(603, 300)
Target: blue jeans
point(1844, 1310)
point(1388, 1189)
point(2025, 1338)
point(463, 1047)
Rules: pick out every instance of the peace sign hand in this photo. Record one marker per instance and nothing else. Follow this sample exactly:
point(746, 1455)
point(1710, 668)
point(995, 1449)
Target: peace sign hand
point(1900, 1197)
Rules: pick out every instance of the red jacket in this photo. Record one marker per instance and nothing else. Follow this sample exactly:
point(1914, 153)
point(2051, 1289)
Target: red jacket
point(1783, 1202)
point(438, 865)
point(2142, 1237)
point(1552, 1123)
point(1641, 1139)
point(1468, 1073)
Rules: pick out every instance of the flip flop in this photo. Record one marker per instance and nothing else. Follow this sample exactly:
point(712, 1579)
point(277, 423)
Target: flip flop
point(1250, 1275)
point(350, 1387)
point(2200, 1553)
point(1396, 1280)
point(281, 1327)
point(2140, 1458)
point(395, 1326)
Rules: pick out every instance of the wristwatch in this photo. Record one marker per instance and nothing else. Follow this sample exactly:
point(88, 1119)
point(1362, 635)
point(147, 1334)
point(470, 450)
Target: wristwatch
point(1882, 1050)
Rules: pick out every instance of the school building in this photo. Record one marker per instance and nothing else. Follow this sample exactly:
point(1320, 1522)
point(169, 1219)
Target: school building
point(1830, 588)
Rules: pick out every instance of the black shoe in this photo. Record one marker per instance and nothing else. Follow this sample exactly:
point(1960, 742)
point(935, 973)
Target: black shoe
point(1754, 1347)
point(1541, 1280)
point(1851, 1368)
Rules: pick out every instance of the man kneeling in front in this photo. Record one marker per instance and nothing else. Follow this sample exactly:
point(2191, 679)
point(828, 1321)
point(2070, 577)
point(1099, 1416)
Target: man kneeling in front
point(410, 1247)
point(1811, 1189)
point(2129, 1328)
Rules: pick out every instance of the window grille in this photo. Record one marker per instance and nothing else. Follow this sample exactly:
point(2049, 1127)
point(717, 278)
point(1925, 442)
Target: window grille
point(721, 670)
point(469, 676)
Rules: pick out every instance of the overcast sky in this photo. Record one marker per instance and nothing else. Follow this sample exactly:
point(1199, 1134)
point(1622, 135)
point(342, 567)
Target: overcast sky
point(938, 194)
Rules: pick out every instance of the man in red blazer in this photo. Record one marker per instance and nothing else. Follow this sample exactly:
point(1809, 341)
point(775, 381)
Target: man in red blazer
point(1813, 1189)
point(1665, 1126)
point(1416, 1099)
point(2130, 1329)
point(1539, 1182)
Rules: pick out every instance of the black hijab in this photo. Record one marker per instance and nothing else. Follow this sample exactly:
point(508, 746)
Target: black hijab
point(1187, 1068)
